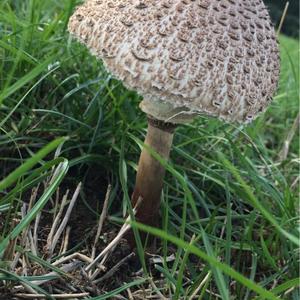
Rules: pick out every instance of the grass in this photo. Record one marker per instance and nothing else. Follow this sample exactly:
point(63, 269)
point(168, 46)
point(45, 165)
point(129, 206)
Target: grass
point(230, 209)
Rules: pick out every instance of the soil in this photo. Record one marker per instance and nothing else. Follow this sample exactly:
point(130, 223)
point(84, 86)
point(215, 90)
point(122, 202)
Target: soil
point(83, 223)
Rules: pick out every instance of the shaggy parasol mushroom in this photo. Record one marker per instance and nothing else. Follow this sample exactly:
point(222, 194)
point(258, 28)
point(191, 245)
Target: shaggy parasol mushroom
point(185, 57)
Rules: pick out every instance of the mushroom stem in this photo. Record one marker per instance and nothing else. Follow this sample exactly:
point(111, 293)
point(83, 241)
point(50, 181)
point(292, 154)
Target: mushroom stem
point(150, 174)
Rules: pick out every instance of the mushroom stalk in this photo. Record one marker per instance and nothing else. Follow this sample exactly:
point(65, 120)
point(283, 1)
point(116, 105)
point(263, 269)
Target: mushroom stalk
point(150, 174)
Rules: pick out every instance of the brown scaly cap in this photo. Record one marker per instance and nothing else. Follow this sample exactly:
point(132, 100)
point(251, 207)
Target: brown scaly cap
point(214, 57)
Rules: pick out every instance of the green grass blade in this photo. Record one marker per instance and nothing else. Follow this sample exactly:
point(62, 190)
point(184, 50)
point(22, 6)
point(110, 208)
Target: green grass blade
point(179, 282)
point(36, 176)
point(60, 173)
point(257, 204)
point(24, 280)
point(30, 163)
point(119, 290)
point(295, 282)
point(25, 79)
point(212, 260)
point(220, 280)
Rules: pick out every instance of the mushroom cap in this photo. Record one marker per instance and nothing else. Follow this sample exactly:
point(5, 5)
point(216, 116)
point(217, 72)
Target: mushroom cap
point(213, 57)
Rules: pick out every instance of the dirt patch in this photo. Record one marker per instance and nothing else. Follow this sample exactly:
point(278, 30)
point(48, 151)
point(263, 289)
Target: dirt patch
point(77, 239)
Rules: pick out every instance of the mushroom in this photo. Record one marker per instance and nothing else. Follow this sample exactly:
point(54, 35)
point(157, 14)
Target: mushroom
point(186, 58)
